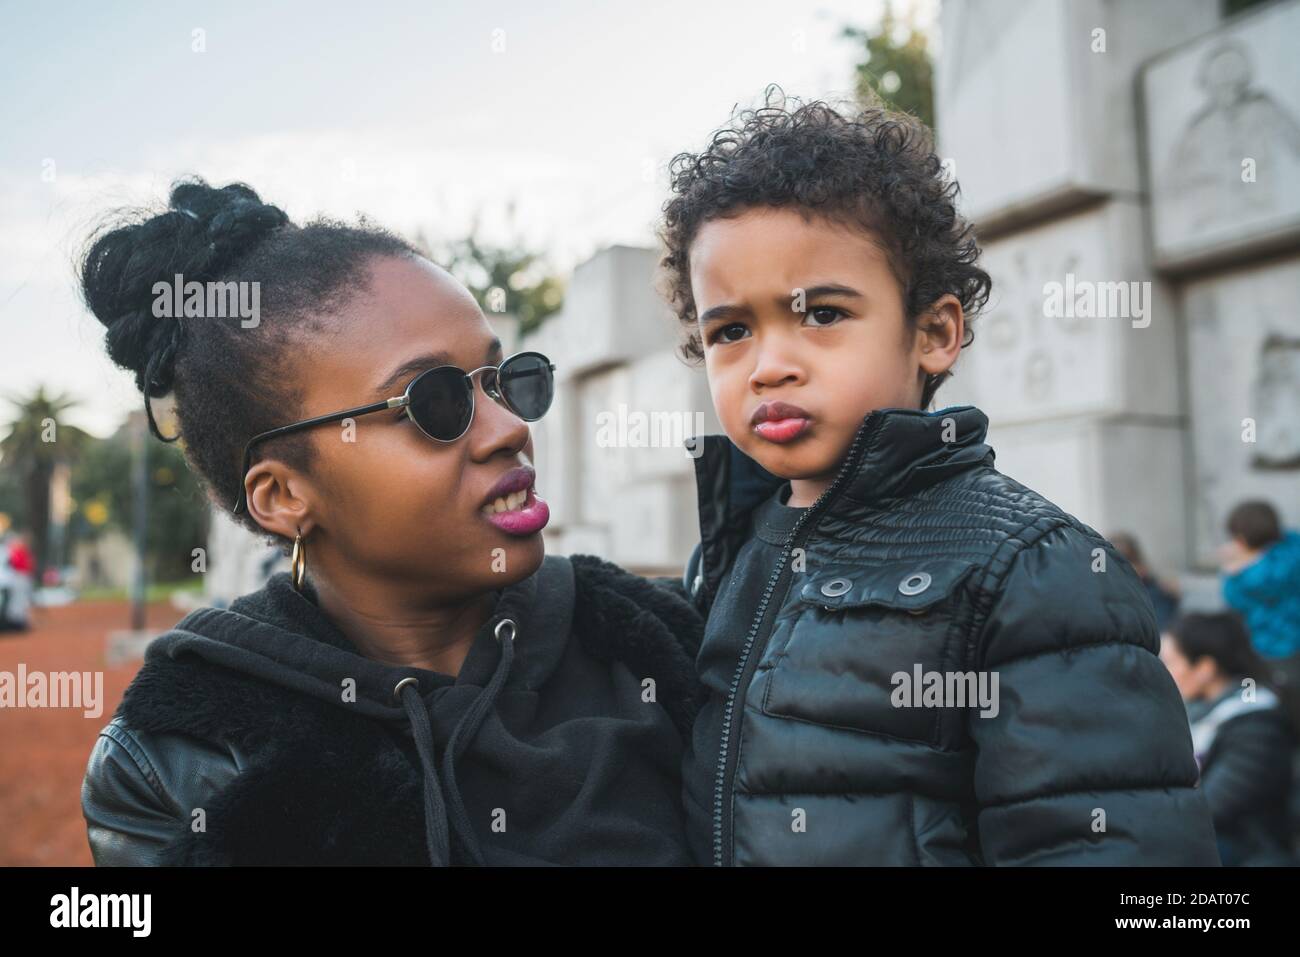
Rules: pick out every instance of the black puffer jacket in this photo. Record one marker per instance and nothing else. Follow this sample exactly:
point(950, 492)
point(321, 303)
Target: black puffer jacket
point(258, 734)
point(1244, 746)
point(923, 557)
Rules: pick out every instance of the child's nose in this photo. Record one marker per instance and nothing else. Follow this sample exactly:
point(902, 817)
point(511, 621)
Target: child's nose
point(775, 366)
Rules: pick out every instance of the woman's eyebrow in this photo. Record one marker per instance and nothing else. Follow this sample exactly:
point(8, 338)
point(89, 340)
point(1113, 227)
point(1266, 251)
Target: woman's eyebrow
point(410, 367)
point(427, 361)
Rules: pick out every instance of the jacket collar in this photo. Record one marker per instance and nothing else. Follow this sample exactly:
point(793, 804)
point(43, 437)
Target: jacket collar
point(905, 450)
point(895, 452)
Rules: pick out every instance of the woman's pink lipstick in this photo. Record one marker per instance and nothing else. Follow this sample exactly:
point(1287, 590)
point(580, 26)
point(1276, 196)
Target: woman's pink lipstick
point(780, 422)
point(512, 505)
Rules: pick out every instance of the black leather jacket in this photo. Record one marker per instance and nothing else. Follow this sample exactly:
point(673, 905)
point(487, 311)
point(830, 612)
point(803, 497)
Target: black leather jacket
point(139, 785)
point(923, 559)
point(239, 718)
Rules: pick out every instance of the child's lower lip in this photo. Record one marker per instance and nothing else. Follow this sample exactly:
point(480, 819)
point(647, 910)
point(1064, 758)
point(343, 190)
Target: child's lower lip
point(529, 518)
point(782, 430)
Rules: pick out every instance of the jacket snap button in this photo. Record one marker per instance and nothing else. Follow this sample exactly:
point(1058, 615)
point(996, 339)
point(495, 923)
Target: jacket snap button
point(915, 583)
point(836, 587)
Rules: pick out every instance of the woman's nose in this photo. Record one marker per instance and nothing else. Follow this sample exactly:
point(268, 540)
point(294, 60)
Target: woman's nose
point(495, 428)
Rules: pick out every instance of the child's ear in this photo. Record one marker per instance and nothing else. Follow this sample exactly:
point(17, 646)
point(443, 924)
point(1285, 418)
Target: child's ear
point(940, 331)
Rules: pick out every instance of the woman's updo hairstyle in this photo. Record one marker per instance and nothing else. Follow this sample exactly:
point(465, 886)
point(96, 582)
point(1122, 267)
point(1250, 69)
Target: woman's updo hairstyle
point(231, 378)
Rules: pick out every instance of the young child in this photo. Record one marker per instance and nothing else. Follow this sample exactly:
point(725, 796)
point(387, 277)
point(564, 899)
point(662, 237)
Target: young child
point(1261, 581)
point(1261, 578)
point(910, 658)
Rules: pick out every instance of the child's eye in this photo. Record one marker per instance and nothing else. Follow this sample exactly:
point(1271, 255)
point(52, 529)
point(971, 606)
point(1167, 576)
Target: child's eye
point(825, 315)
point(731, 332)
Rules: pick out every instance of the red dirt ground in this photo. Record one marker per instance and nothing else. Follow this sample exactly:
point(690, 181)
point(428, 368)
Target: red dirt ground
point(43, 751)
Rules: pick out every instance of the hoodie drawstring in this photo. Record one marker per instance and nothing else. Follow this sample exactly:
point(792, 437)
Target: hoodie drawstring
point(436, 833)
point(438, 830)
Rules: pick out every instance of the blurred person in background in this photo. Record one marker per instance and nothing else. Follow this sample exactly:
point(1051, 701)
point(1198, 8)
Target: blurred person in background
point(16, 569)
point(1261, 580)
point(6, 582)
point(1241, 734)
point(1164, 595)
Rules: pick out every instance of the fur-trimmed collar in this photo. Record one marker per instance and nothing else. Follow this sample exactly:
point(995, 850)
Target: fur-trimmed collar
point(335, 780)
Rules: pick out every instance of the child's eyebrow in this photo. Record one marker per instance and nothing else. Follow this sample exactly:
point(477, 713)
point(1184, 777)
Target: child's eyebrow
point(733, 311)
point(725, 311)
point(728, 311)
point(825, 289)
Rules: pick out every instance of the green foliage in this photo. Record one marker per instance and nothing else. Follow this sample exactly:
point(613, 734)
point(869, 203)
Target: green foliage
point(12, 502)
point(37, 441)
point(504, 279)
point(897, 69)
point(1232, 7)
point(178, 509)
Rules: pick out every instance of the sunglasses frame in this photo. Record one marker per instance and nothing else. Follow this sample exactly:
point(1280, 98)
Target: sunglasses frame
point(404, 401)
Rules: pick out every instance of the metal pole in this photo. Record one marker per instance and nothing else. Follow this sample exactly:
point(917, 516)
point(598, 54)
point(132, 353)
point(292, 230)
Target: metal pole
point(140, 516)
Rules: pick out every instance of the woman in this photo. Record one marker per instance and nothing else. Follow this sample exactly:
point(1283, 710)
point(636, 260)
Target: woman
point(424, 687)
point(1240, 733)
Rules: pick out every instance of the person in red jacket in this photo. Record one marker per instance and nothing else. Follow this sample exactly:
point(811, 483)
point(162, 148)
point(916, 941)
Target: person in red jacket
point(16, 584)
point(20, 556)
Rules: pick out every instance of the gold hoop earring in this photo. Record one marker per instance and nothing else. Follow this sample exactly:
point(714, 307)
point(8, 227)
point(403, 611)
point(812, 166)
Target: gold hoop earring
point(298, 563)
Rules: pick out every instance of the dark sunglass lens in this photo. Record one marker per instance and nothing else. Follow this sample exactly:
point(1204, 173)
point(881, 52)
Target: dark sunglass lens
point(528, 385)
point(441, 403)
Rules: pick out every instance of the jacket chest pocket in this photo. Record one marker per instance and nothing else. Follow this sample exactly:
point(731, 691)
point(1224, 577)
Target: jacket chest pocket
point(852, 644)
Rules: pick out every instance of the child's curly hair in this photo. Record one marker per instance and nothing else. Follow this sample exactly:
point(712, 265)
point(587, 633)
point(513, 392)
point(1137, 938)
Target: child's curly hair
point(876, 170)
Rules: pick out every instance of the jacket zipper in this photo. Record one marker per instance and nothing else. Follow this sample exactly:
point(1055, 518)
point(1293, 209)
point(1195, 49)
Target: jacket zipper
point(727, 760)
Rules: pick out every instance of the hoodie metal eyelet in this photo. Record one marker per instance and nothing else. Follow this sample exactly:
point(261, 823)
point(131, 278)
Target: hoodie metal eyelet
point(836, 587)
point(915, 583)
point(397, 690)
point(501, 624)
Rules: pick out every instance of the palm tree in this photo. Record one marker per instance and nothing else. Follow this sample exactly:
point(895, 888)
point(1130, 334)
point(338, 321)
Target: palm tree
point(36, 444)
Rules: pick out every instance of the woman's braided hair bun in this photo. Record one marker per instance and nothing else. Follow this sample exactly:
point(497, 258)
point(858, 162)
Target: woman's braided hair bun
point(230, 380)
point(201, 237)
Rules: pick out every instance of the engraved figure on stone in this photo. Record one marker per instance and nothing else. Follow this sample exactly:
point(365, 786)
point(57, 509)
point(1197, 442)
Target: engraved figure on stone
point(1237, 122)
point(1277, 404)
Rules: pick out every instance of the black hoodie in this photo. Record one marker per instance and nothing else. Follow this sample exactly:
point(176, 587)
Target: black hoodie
point(559, 741)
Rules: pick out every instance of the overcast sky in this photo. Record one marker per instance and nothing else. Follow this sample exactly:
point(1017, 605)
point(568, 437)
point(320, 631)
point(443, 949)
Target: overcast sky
point(418, 114)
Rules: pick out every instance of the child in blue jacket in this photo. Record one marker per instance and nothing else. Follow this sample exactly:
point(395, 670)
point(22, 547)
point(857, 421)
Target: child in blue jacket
point(1261, 581)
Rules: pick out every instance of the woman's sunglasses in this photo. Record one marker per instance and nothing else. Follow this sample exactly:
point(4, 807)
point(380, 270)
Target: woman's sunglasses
point(440, 401)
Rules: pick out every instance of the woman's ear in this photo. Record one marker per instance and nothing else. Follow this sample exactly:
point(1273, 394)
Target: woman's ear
point(940, 331)
point(277, 498)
